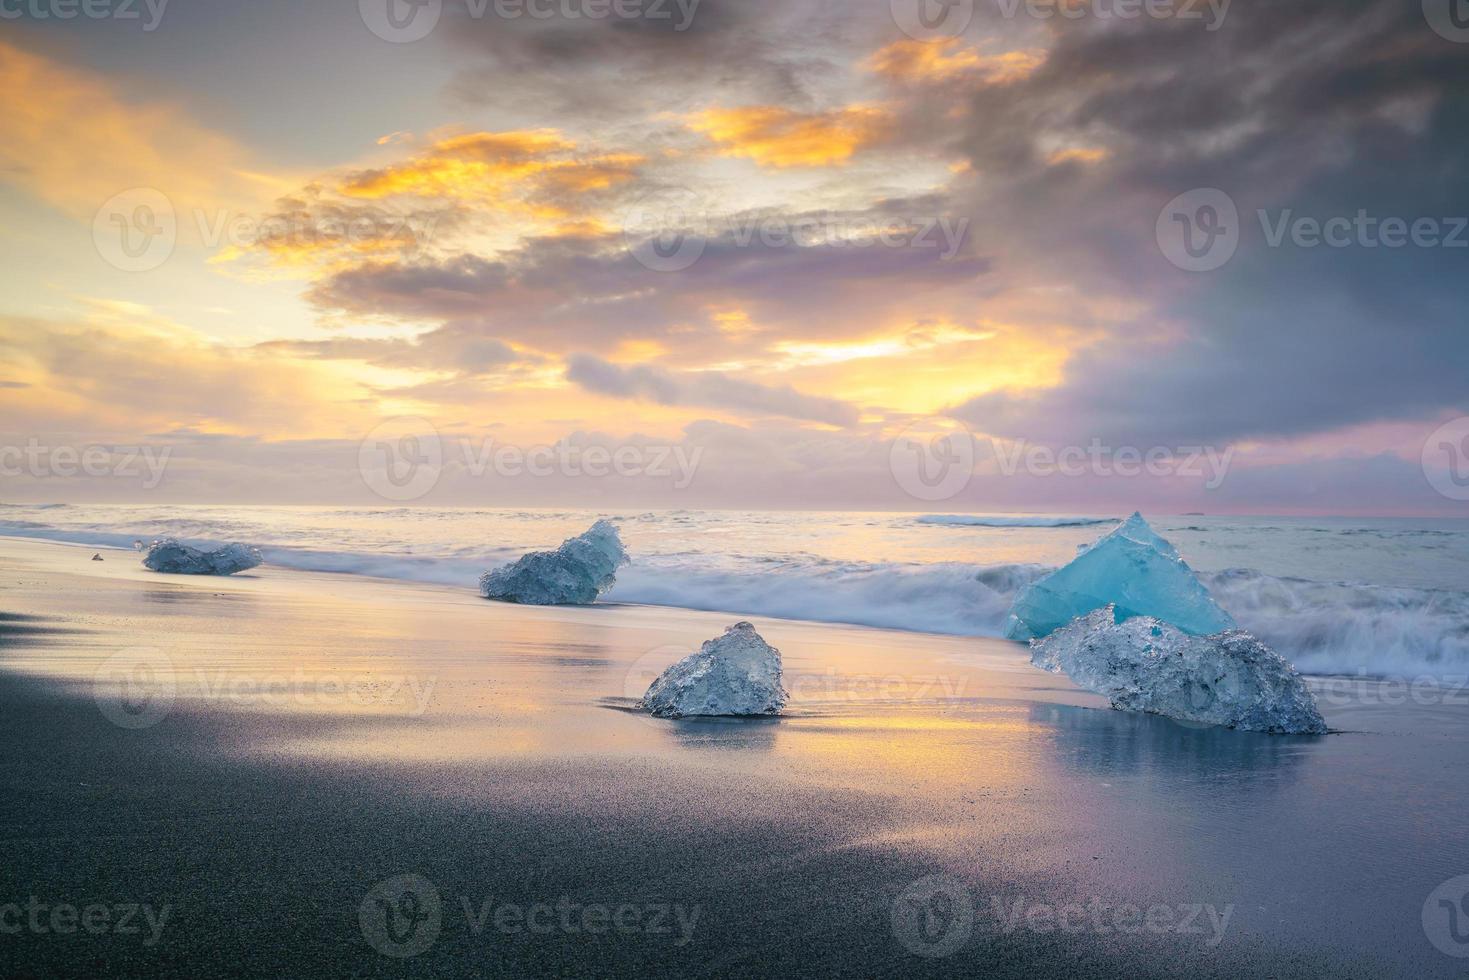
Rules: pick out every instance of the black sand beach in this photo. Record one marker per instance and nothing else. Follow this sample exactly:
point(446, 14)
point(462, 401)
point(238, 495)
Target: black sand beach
point(308, 738)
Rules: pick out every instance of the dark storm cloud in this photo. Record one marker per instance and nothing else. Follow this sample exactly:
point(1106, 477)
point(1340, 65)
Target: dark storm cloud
point(765, 50)
point(1324, 108)
point(569, 294)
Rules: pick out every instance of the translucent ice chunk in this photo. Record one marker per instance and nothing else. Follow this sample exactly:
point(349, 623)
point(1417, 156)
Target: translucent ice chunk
point(180, 559)
point(574, 574)
point(1131, 568)
point(734, 674)
point(1229, 678)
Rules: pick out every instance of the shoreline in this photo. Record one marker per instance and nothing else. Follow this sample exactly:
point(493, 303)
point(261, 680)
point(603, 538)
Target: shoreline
point(1397, 610)
point(264, 815)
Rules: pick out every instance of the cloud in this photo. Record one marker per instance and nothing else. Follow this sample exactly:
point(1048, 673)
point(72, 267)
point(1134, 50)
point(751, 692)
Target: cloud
point(485, 187)
point(317, 231)
point(776, 136)
point(708, 389)
point(1313, 110)
point(122, 368)
point(1058, 319)
point(948, 60)
point(447, 350)
point(504, 170)
point(780, 465)
point(74, 143)
point(613, 68)
point(568, 294)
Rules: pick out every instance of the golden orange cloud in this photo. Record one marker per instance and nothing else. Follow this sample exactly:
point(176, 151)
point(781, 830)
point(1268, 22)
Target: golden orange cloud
point(468, 165)
point(774, 136)
point(502, 170)
point(67, 137)
point(478, 190)
point(923, 62)
point(108, 365)
point(1078, 154)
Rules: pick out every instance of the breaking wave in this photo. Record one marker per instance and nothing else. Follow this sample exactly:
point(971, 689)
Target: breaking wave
point(1348, 628)
point(1322, 627)
point(967, 600)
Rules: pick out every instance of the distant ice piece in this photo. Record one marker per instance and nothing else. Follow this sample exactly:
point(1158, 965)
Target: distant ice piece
point(1229, 678)
point(180, 559)
point(574, 574)
point(1132, 568)
point(734, 674)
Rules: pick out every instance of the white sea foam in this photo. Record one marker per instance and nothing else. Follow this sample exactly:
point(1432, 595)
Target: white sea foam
point(1346, 628)
point(781, 565)
point(967, 600)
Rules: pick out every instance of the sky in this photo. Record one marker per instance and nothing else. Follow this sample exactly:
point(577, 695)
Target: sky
point(969, 255)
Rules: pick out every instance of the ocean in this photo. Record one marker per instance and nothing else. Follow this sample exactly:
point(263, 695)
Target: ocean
point(1380, 597)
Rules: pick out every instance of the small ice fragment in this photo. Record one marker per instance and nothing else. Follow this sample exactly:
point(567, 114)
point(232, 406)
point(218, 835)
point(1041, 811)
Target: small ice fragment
point(1229, 678)
point(1132, 568)
point(734, 674)
point(574, 574)
point(180, 559)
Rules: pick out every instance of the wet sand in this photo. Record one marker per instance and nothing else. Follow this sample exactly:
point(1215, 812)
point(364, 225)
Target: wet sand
point(290, 774)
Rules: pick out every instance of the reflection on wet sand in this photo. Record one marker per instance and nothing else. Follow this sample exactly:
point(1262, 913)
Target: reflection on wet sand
point(20, 630)
point(724, 734)
point(1107, 743)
